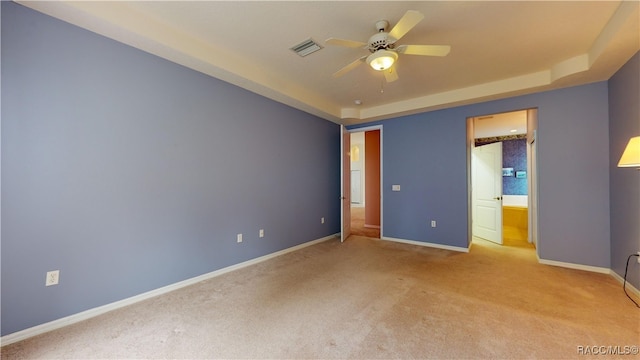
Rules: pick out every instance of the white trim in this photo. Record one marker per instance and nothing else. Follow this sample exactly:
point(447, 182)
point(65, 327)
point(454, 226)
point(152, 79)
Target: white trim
point(621, 280)
point(597, 269)
point(343, 196)
point(427, 244)
point(84, 315)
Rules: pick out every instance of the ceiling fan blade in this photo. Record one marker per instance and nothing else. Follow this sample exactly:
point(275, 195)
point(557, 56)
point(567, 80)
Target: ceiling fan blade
point(427, 50)
point(349, 67)
point(410, 19)
point(345, 43)
point(391, 74)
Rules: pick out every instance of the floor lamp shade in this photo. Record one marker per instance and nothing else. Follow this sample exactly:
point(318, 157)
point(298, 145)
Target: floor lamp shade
point(631, 155)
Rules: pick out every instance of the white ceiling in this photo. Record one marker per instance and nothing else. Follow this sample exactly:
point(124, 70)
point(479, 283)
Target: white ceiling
point(498, 49)
point(509, 123)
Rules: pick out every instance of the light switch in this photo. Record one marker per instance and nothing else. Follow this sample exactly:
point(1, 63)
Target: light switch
point(395, 187)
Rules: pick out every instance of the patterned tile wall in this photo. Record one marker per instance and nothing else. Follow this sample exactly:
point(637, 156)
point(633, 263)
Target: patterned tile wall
point(514, 155)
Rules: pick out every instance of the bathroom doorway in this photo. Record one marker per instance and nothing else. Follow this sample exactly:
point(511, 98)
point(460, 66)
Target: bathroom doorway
point(500, 171)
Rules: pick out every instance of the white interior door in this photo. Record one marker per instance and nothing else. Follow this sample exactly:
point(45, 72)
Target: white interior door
point(487, 192)
point(345, 186)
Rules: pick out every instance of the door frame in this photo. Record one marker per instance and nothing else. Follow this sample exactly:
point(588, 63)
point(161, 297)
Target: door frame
point(344, 169)
point(532, 170)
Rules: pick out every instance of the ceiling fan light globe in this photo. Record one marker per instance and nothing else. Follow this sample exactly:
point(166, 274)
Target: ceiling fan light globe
point(382, 59)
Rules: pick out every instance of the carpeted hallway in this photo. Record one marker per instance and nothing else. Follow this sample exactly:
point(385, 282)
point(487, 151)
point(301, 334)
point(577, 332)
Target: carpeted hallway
point(364, 299)
point(358, 224)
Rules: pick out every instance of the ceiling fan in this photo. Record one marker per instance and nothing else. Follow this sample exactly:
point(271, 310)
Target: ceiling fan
point(382, 46)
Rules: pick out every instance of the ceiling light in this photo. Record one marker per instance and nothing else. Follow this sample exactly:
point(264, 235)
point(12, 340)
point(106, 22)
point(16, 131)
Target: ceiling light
point(358, 102)
point(382, 59)
point(513, 130)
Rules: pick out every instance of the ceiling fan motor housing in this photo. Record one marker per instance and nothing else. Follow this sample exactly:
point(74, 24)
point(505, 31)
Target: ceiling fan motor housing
point(379, 41)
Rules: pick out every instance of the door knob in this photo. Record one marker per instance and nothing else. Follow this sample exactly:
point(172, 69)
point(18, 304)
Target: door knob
point(498, 198)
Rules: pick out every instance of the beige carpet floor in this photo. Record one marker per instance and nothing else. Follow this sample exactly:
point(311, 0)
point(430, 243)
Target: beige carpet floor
point(365, 299)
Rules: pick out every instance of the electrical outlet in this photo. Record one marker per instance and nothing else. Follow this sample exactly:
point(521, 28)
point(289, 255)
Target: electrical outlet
point(261, 233)
point(239, 238)
point(53, 277)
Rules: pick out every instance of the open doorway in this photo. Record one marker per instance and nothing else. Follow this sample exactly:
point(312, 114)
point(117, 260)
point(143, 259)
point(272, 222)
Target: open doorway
point(502, 195)
point(365, 183)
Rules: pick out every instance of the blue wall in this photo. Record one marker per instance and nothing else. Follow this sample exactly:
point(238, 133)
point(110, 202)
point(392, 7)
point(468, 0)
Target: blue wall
point(421, 153)
point(426, 155)
point(624, 123)
point(128, 172)
point(514, 155)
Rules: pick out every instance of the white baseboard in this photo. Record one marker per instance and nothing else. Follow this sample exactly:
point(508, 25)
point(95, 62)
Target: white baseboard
point(597, 269)
point(628, 286)
point(81, 316)
point(421, 243)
